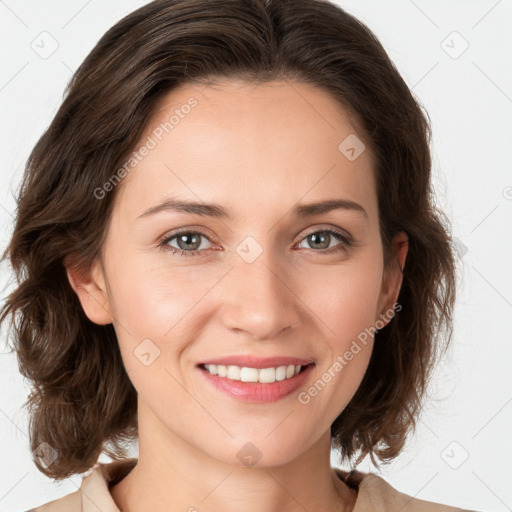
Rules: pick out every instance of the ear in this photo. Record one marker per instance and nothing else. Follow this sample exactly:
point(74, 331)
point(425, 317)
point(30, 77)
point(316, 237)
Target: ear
point(392, 277)
point(90, 286)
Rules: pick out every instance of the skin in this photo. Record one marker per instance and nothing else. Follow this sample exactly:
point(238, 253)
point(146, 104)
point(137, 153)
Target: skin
point(257, 150)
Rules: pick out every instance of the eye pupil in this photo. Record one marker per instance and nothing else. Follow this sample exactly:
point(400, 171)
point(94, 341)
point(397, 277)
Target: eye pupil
point(316, 238)
point(195, 240)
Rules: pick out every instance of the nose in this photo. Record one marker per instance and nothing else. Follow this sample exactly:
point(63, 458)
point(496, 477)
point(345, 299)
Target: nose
point(258, 299)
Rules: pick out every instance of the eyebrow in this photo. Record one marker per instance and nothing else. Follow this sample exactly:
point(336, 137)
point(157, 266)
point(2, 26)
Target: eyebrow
point(217, 211)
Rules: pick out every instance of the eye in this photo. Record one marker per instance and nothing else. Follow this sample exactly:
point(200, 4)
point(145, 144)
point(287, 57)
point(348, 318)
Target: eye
point(322, 240)
point(190, 242)
point(186, 240)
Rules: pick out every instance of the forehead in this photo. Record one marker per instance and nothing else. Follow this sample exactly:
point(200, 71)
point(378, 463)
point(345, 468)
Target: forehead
point(249, 146)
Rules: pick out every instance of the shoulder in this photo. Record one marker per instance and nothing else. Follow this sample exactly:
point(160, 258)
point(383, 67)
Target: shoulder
point(69, 503)
point(374, 493)
point(93, 491)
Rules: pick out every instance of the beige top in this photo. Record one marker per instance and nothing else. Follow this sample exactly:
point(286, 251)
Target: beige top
point(374, 493)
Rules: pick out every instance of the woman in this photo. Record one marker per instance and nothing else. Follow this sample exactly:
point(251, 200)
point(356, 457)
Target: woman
point(170, 287)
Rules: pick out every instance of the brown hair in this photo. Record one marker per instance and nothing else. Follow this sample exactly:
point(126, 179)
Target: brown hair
point(83, 402)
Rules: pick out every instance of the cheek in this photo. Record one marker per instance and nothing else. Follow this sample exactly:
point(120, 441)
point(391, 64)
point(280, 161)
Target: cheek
point(158, 309)
point(152, 298)
point(345, 304)
point(346, 298)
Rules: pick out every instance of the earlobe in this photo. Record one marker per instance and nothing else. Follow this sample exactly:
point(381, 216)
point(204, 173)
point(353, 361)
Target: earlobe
point(402, 246)
point(392, 277)
point(91, 290)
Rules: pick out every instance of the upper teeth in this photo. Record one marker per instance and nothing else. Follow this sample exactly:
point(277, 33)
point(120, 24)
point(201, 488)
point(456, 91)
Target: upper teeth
point(263, 375)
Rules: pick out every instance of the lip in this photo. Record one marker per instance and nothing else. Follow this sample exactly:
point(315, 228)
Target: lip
point(256, 392)
point(257, 362)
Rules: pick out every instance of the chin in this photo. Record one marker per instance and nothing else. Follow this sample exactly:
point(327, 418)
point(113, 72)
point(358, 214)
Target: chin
point(244, 452)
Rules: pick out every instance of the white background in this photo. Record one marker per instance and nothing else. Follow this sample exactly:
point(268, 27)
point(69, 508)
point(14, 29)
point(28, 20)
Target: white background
point(469, 99)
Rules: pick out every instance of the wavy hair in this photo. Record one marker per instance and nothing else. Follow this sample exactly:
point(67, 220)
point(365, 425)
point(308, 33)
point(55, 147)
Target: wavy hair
point(82, 402)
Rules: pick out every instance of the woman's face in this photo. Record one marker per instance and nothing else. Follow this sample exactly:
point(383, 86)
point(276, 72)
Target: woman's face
point(255, 277)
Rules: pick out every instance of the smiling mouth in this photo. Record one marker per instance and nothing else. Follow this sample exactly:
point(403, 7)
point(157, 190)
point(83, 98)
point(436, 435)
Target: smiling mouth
point(256, 375)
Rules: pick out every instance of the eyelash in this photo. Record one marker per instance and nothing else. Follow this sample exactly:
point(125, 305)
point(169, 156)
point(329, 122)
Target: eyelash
point(345, 244)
